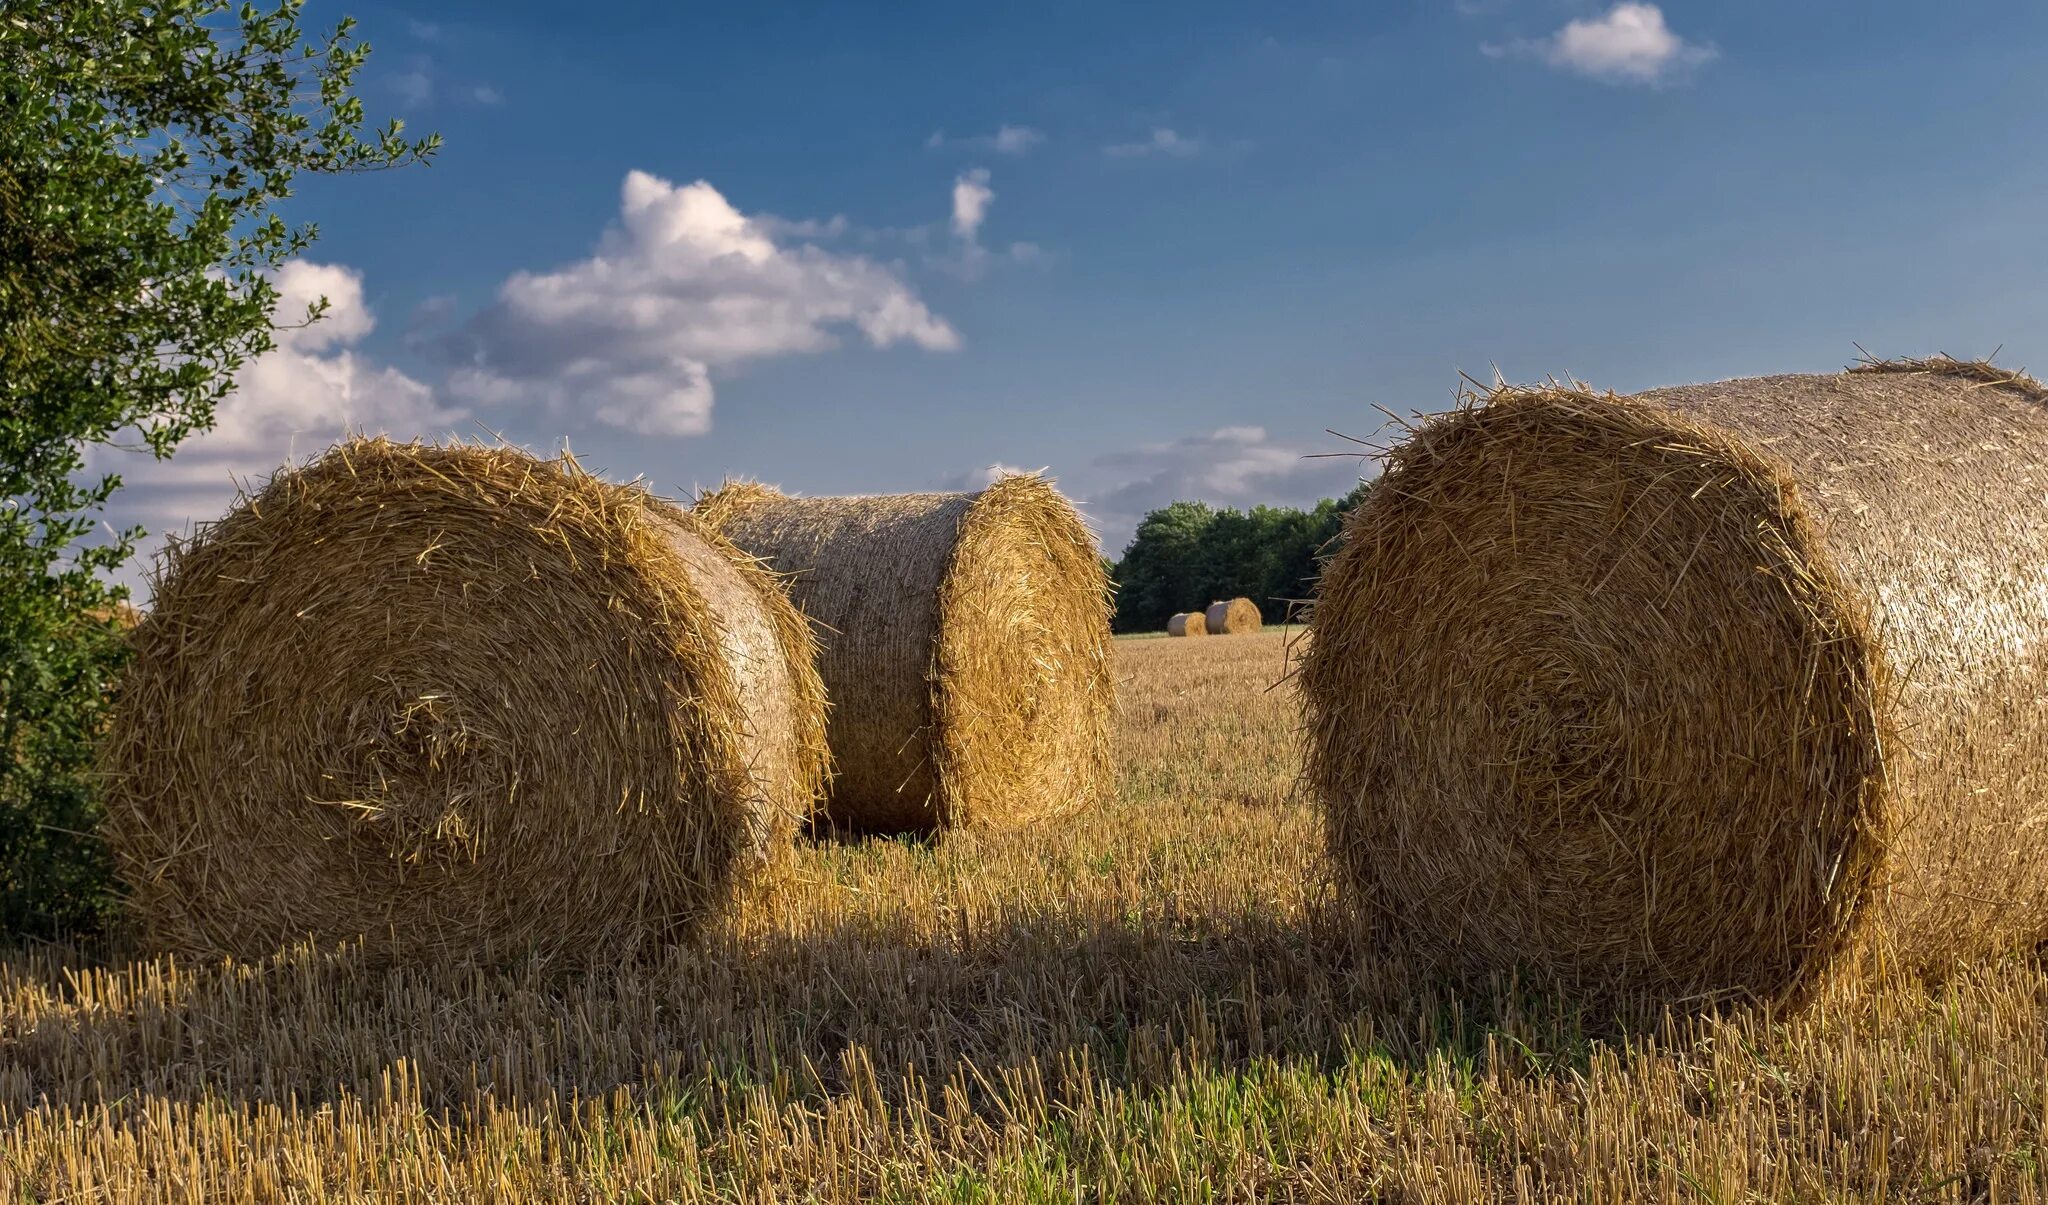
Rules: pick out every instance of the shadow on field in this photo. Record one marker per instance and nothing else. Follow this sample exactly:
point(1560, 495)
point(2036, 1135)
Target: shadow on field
point(1051, 1004)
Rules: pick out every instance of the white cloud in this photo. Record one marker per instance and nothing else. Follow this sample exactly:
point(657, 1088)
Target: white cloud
point(683, 287)
point(987, 475)
point(1015, 140)
point(1630, 44)
point(425, 31)
point(968, 259)
point(424, 82)
point(1163, 141)
point(1230, 466)
point(415, 87)
point(1007, 140)
point(835, 226)
point(971, 199)
point(292, 402)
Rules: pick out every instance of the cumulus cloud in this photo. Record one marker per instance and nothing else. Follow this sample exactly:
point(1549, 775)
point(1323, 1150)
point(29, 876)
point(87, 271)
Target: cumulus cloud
point(311, 390)
point(1630, 44)
point(1007, 140)
point(683, 287)
point(1230, 466)
point(1163, 142)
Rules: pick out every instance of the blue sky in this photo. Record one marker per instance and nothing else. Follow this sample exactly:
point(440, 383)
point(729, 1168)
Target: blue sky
point(1156, 249)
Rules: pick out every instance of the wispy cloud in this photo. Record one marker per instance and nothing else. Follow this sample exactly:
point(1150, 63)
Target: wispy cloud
point(1230, 466)
point(423, 81)
point(1164, 142)
point(981, 478)
point(414, 86)
point(774, 227)
point(1007, 140)
point(968, 258)
point(1630, 44)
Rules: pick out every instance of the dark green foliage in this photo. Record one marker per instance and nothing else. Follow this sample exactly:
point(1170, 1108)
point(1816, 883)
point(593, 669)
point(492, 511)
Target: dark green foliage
point(142, 148)
point(1186, 555)
point(1163, 567)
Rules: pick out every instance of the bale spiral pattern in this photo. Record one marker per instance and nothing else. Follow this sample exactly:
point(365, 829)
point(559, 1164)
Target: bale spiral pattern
point(460, 703)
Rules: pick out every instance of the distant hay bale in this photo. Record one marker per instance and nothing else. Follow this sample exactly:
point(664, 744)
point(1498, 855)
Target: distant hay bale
point(121, 614)
point(1188, 623)
point(1700, 694)
point(1237, 617)
point(461, 703)
point(965, 646)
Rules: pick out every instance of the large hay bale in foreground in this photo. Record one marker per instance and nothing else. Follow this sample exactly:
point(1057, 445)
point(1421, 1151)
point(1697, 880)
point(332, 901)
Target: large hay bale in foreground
point(458, 702)
point(1187, 623)
point(1702, 693)
point(1236, 617)
point(964, 646)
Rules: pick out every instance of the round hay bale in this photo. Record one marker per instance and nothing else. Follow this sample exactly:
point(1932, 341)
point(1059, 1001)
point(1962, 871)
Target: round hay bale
point(1234, 618)
point(1188, 623)
point(121, 615)
point(460, 703)
point(964, 645)
point(1700, 694)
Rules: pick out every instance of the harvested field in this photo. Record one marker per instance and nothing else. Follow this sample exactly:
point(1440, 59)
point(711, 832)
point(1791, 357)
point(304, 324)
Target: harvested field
point(1148, 1001)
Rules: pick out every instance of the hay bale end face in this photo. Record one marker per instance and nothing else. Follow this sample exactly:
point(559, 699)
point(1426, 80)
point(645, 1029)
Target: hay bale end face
point(1188, 623)
point(964, 646)
point(1236, 617)
point(460, 703)
point(1698, 694)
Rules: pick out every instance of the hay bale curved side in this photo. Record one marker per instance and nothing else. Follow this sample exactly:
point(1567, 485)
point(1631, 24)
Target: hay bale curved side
point(1698, 694)
point(964, 646)
point(462, 704)
point(1188, 623)
point(1235, 617)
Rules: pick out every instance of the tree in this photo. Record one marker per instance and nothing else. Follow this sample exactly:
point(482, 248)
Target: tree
point(1163, 567)
point(143, 147)
point(1188, 555)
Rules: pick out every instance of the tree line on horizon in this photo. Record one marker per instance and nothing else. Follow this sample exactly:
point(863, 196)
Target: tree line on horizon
point(1186, 555)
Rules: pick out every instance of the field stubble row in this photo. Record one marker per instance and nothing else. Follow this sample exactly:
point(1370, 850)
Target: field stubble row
point(1151, 1001)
